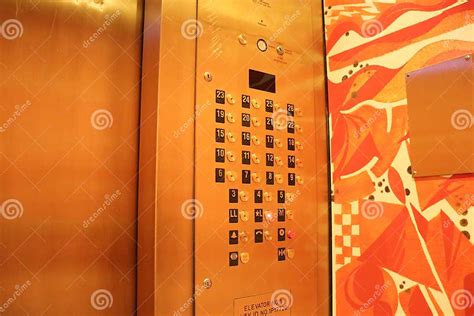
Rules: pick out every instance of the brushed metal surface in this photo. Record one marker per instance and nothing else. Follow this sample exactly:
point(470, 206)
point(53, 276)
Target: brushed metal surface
point(441, 118)
point(69, 158)
point(299, 81)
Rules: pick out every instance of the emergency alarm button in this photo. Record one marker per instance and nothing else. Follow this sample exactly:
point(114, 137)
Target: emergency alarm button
point(291, 234)
point(244, 257)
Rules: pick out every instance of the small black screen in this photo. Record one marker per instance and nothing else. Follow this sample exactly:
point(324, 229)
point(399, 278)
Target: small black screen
point(262, 81)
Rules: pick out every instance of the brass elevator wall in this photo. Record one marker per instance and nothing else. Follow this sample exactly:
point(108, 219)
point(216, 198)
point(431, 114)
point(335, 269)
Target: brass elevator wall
point(69, 111)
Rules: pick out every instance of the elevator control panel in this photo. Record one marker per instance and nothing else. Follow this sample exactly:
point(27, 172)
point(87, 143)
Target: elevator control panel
point(255, 162)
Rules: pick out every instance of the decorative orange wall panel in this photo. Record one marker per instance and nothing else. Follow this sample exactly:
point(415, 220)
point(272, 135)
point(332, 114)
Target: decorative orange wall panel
point(400, 246)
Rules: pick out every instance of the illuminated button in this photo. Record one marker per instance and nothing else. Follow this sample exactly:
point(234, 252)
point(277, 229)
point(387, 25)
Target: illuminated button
point(230, 156)
point(299, 180)
point(278, 143)
point(243, 196)
point(256, 178)
point(290, 253)
point(230, 118)
point(298, 112)
point(230, 99)
point(256, 122)
point(244, 216)
point(262, 45)
point(231, 176)
point(230, 137)
point(244, 236)
point(279, 178)
point(269, 217)
point(289, 214)
point(299, 145)
point(291, 234)
point(299, 129)
point(276, 107)
point(267, 196)
point(244, 257)
point(268, 235)
point(242, 39)
point(280, 50)
point(255, 104)
point(255, 140)
point(255, 158)
point(299, 163)
point(278, 161)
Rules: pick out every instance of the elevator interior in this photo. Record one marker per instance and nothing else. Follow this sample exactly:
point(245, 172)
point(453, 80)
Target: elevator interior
point(163, 157)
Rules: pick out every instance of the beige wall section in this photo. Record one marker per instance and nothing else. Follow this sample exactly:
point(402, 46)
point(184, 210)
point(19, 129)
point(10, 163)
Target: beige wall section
point(165, 279)
point(63, 162)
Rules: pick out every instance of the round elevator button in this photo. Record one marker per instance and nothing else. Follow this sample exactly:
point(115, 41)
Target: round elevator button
point(262, 45)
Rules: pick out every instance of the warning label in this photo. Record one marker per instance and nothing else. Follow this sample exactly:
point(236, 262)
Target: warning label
point(259, 305)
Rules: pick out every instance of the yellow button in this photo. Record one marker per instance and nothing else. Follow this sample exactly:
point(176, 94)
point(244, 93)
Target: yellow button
point(299, 145)
point(299, 129)
point(255, 104)
point(299, 180)
point(256, 140)
point(279, 178)
point(230, 156)
point(276, 107)
point(231, 176)
point(278, 143)
point(244, 237)
point(269, 216)
point(230, 118)
point(244, 257)
point(256, 122)
point(255, 158)
point(267, 196)
point(243, 196)
point(299, 163)
point(289, 214)
point(230, 99)
point(256, 178)
point(244, 216)
point(278, 161)
point(231, 137)
point(298, 112)
point(290, 253)
point(268, 235)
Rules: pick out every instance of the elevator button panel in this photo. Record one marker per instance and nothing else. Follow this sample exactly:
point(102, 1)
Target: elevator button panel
point(255, 164)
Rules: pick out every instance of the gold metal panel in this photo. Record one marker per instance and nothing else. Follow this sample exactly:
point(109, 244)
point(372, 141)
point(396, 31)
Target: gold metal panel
point(441, 109)
point(226, 50)
point(71, 169)
point(165, 252)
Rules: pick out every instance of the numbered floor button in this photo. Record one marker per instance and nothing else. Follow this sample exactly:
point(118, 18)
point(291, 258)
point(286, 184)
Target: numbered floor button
point(233, 196)
point(220, 175)
point(220, 96)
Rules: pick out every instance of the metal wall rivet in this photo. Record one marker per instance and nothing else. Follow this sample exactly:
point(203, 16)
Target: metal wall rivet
point(208, 76)
point(207, 283)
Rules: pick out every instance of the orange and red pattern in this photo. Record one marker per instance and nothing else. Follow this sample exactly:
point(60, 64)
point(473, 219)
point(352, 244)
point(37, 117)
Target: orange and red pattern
point(401, 246)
